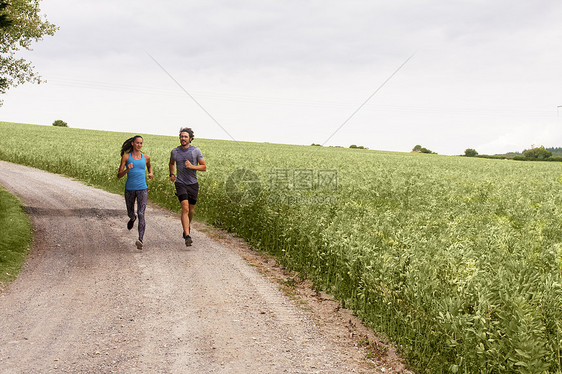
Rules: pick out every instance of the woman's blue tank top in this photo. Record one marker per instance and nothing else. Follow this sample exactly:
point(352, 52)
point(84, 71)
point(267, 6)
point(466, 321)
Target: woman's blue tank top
point(136, 179)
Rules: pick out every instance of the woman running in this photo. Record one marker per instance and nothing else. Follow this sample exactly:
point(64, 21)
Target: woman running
point(133, 163)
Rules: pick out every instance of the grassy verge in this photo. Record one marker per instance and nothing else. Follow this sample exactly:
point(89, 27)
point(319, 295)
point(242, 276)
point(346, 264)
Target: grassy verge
point(15, 236)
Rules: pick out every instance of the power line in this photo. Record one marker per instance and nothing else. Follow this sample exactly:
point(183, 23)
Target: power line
point(192, 98)
point(366, 101)
point(286, 101)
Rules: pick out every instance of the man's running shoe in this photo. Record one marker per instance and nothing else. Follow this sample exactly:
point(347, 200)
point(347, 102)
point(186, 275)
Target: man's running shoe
point(188, 241)
point(130, 224)
point(139, 244)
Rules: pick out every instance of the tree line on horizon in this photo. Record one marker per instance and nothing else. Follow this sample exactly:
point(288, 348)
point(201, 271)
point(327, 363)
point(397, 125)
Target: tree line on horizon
point(532, 154)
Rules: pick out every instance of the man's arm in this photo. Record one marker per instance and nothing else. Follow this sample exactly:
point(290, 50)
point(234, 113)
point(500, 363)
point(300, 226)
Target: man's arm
point(172, 167)
point(201, 167)
point(201, 161)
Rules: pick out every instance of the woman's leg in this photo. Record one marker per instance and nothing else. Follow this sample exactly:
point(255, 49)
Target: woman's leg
point(142, 199)
point(130, 202)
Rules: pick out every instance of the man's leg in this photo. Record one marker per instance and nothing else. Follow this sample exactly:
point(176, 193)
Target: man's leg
point(185, 217)
point(193, 192)
point(190, 215)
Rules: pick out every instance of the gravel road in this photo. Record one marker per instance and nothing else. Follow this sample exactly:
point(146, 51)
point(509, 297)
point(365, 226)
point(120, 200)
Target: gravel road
point(87, 301)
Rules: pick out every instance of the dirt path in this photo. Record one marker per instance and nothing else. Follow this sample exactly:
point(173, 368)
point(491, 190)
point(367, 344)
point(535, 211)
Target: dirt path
point(87, 301)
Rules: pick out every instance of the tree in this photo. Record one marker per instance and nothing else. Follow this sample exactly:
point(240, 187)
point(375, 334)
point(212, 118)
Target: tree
point(537, 153)
point(4, 20)
point(419, 149)
point(60, 123)
point(469, 152)
point(20, 25)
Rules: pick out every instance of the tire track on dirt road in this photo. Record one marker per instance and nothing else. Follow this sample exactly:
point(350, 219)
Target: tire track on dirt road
point(87, 301)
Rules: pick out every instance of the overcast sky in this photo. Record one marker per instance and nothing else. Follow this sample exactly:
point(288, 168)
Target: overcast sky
point(484, 74)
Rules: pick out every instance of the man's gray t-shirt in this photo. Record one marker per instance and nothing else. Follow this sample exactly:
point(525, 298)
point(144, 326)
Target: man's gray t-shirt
point(180, 155)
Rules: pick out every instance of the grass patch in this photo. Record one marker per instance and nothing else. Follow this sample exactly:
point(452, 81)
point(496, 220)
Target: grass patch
point(15, 236)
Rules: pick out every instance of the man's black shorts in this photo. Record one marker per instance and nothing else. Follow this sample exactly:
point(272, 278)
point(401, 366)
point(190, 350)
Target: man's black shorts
point(187, 192)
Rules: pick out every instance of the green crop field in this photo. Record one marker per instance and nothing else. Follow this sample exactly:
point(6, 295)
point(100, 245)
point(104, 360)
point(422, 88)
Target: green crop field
point(457, 260)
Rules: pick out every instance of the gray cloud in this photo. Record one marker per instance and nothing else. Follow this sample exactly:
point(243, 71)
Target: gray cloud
point(485, 73)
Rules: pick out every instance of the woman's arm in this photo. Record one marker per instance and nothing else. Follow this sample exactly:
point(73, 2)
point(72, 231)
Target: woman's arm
point(122, 169)
point(149, 166)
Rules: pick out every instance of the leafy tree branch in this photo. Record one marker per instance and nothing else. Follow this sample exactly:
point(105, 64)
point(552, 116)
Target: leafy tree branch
point(21, 24)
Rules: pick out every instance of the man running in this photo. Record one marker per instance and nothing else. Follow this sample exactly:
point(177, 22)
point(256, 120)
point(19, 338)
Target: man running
point(188, 159)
